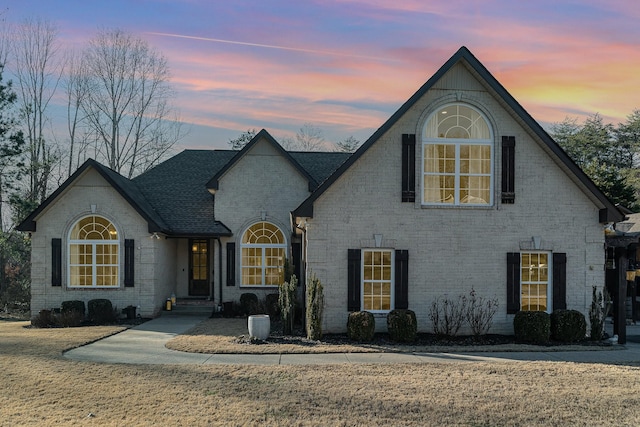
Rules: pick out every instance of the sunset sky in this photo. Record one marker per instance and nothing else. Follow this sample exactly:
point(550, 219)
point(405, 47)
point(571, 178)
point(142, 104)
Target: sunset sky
point(346, 65)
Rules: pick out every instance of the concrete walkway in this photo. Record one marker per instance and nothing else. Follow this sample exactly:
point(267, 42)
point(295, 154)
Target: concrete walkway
point(145, 344)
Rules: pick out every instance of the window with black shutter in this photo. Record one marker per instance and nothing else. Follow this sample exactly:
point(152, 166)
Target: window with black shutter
point(508, 169)
point(128, 263)
point(408, 167)
point(353, 280)
point(513, 282)
point(559, 281)
point(231, 263)
point(402, 279)
point(56, 262)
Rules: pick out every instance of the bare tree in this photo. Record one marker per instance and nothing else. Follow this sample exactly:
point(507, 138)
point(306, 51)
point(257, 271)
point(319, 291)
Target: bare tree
point(126, 103)
point(243, 139)
point(35, 48)
point(75, 87)
point(308, 138)
point(348, 145)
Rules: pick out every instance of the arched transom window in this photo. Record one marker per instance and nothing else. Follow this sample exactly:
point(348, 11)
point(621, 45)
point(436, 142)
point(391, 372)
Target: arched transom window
point(457, 158)
point(94, 250)
point(263, 252)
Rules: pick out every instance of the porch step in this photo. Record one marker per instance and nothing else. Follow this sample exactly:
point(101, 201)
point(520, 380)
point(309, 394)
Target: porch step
point(195, 307)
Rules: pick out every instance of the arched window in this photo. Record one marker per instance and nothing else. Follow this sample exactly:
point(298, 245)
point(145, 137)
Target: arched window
point(94, 250)
point(457, 158)
point(263, 252)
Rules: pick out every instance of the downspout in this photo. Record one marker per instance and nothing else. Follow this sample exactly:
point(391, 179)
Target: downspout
point(219, 271)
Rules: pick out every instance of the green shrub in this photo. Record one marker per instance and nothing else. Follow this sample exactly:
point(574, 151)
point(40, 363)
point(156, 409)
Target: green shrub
point(74, 305)
point(402, 325)
point(532, 327)
point(271, 305)
point(568, 325)
point(287, 303)
point(249, 303)
point(361, 326)
point(598, 312)
point(101, 311)
point(315, 307)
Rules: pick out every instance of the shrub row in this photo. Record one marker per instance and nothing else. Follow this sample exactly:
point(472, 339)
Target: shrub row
point(401, 324)
point(72, 313)
point(539, 327)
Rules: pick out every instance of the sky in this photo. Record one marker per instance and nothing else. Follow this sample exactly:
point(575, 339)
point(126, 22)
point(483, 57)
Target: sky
point(345, 66)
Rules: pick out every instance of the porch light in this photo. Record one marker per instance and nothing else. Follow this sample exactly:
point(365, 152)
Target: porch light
point(631, 272)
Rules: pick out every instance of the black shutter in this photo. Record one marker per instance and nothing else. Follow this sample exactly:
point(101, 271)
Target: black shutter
point(559, 281)
point(353, 281)
point(128, 263)
point(56, 262)
point(408, 167)
point(231, 264)
point(402, 279)
point(296, 259)
point(508, 169)
point(513, 282)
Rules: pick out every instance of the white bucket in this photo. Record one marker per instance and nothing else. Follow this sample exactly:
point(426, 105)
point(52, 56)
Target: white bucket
point(259, 326)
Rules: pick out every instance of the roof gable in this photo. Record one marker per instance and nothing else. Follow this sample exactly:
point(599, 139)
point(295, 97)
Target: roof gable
point(262, 135)
point(122, 185)
point(609, 213)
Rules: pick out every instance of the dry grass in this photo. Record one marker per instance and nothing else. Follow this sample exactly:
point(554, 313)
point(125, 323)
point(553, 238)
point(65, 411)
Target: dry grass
point(42, 388)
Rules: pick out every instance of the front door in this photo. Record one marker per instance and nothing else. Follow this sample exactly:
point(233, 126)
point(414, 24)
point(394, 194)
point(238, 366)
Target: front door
point(199, 268)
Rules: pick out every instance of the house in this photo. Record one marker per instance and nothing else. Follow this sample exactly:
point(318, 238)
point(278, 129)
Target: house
point(460, 189)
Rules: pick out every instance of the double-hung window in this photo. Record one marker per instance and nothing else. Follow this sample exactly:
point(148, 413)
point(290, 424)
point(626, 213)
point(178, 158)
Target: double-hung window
point(377, 280)
point(94, 254)
point(457, 156)
point(535, 281)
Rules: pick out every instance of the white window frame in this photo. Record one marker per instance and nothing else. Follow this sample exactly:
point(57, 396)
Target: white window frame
point(94, 253)
point(363, 280)
point(429, 140)
point(243, 246)
point(549, 281)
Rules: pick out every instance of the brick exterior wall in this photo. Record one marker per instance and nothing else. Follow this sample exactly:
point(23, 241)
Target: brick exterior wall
point(262, 183)
point(453, 249)
point(153, 275)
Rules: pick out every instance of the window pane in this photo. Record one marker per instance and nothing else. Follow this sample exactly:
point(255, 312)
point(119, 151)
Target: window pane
point(262, 255)
point(377, 279)
point(534, 281)
point(96, 262)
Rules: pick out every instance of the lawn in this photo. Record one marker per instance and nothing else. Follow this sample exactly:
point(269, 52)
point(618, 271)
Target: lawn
point(40, 387)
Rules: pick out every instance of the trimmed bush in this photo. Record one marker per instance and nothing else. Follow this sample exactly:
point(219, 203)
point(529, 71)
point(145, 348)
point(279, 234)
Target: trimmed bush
point(101, 311)
point(315, 308)
point(402, 325)
point(249, 303)
point(597, 313)
point(287, 302)
point(568, 326)
point(72, 306)
point(361, 326)
point(532, 327)
point(271, 305)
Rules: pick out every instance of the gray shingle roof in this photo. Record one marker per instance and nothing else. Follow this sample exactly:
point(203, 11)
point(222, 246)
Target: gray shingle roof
point(177, 188)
